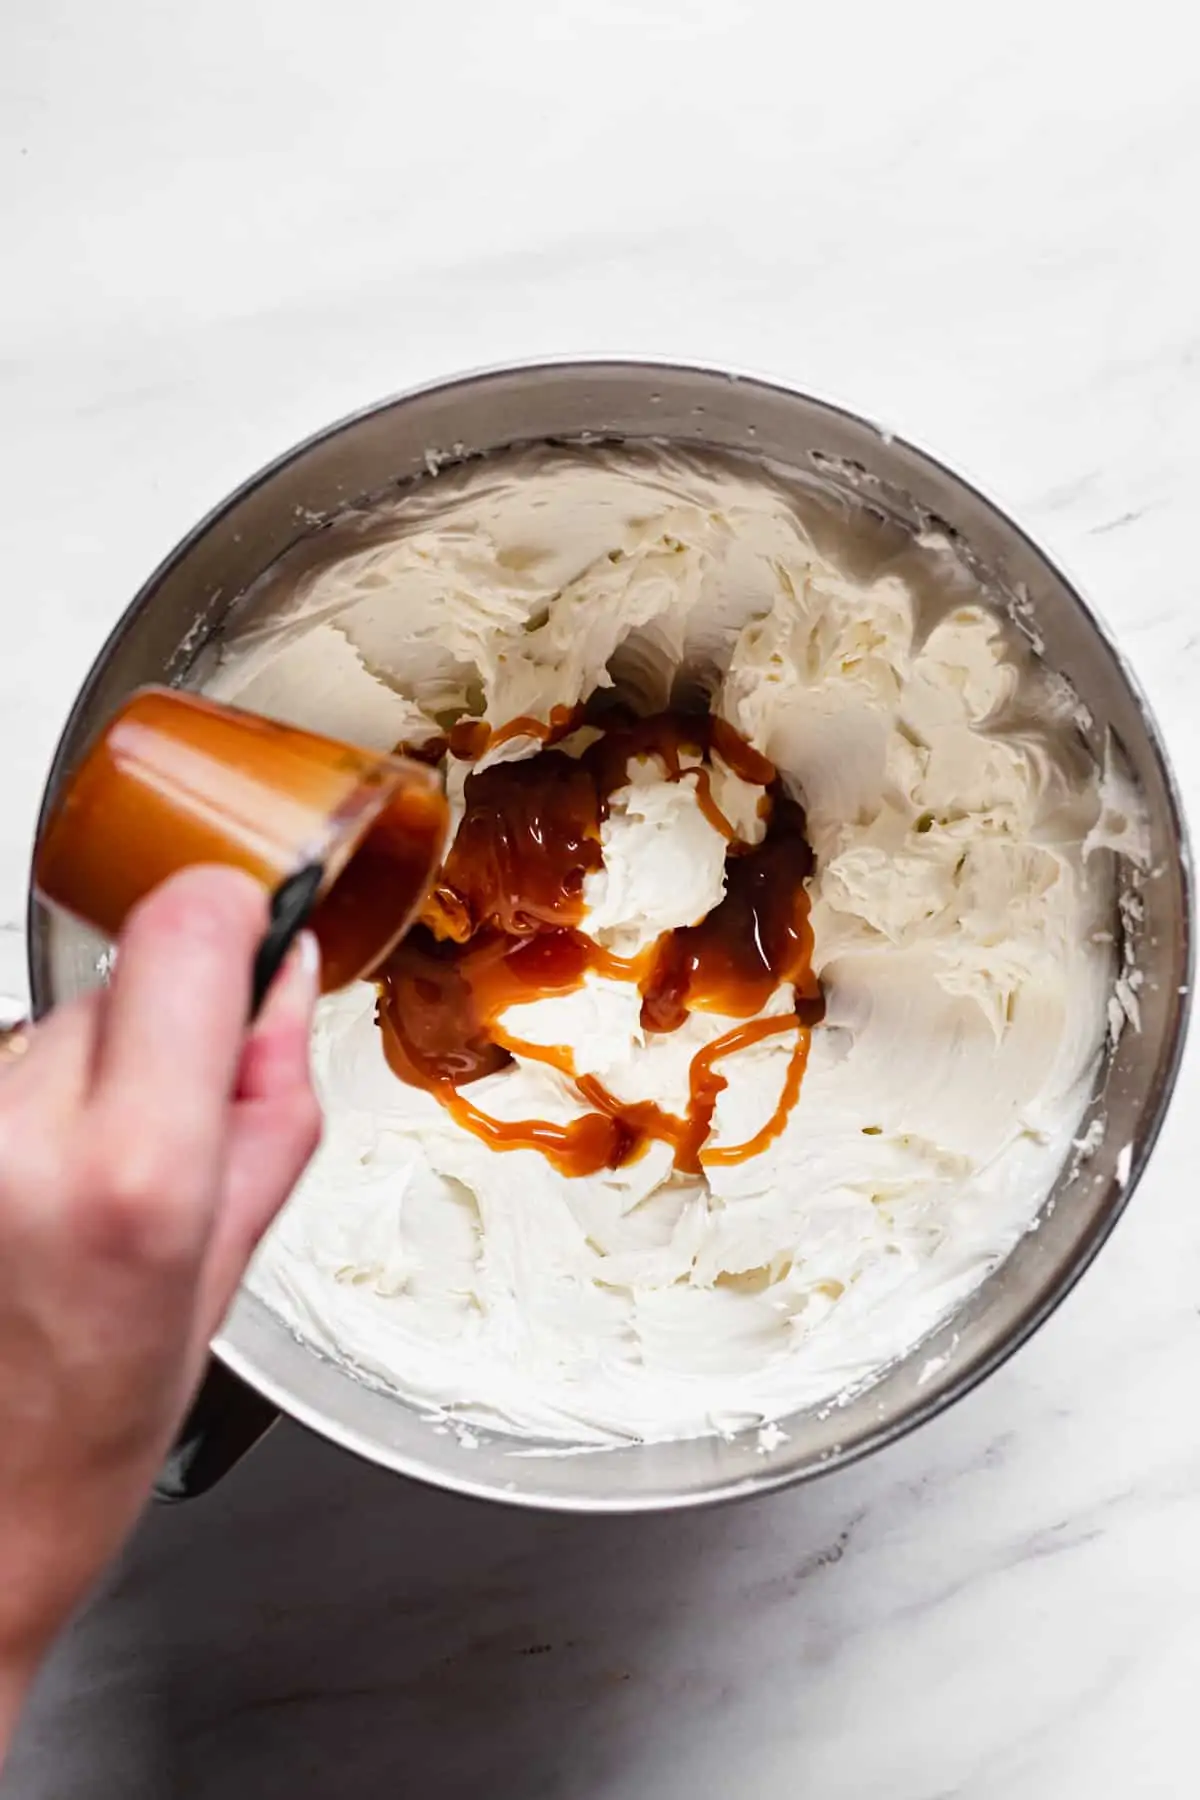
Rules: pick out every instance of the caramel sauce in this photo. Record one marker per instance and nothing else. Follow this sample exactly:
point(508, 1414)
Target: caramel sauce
point(709, 807)
point(471, 737)
point(707, 1085)
point(501, 927)
point(758, 936)
point(583, 1147)
point(438, 999)
point(529, 836)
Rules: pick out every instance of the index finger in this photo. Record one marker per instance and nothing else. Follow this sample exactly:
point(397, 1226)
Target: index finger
point(171, 1036)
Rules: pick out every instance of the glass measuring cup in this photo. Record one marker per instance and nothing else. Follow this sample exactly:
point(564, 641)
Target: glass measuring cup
point(347, 840)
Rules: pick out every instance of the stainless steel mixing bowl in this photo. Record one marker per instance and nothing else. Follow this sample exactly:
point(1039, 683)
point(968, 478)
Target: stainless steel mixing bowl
point(184, 604)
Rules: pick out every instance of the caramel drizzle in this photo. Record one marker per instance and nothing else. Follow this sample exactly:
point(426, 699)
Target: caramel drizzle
point(500, 928)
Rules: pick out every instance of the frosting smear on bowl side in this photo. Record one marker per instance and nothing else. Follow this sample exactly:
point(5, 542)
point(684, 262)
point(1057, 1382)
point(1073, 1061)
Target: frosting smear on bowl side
point(766, 978)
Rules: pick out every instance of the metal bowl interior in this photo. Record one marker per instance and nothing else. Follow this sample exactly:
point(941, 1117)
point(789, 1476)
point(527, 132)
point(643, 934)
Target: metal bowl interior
point(181, 610)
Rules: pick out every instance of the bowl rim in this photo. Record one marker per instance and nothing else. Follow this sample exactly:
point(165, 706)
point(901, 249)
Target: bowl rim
point(1041, 1305)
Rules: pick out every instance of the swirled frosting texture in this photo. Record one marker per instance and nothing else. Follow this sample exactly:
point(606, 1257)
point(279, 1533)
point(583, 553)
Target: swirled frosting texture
point(961, 936)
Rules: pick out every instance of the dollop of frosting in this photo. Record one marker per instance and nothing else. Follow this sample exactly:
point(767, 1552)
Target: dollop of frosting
point(961, 912)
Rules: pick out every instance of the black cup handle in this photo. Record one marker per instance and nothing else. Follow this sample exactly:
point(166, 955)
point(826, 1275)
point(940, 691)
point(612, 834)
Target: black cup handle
point(227, 1418)
point(291, 904)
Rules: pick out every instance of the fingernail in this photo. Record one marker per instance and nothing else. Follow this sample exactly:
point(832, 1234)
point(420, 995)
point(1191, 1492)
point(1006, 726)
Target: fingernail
point(298, 983)
point(309, 952)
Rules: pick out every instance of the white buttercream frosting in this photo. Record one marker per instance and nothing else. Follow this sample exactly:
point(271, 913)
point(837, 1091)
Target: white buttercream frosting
point(961, 937)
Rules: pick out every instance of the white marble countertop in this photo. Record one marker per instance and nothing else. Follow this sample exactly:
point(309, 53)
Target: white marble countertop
point(224, 225)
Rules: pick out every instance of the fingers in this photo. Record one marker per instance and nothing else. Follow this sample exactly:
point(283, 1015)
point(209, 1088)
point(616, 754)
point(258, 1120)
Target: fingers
point(275, 1127)
point(275, 1055)
point(43, 1090)
point(173, 1024)
point(272, 1142)
point(196, 1129)
point(47, 1068)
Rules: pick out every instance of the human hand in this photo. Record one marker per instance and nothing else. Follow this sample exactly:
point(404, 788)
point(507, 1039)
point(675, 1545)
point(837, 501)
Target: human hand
point(147, 1139)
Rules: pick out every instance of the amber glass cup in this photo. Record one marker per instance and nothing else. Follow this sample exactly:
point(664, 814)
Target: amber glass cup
point(175, 779)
